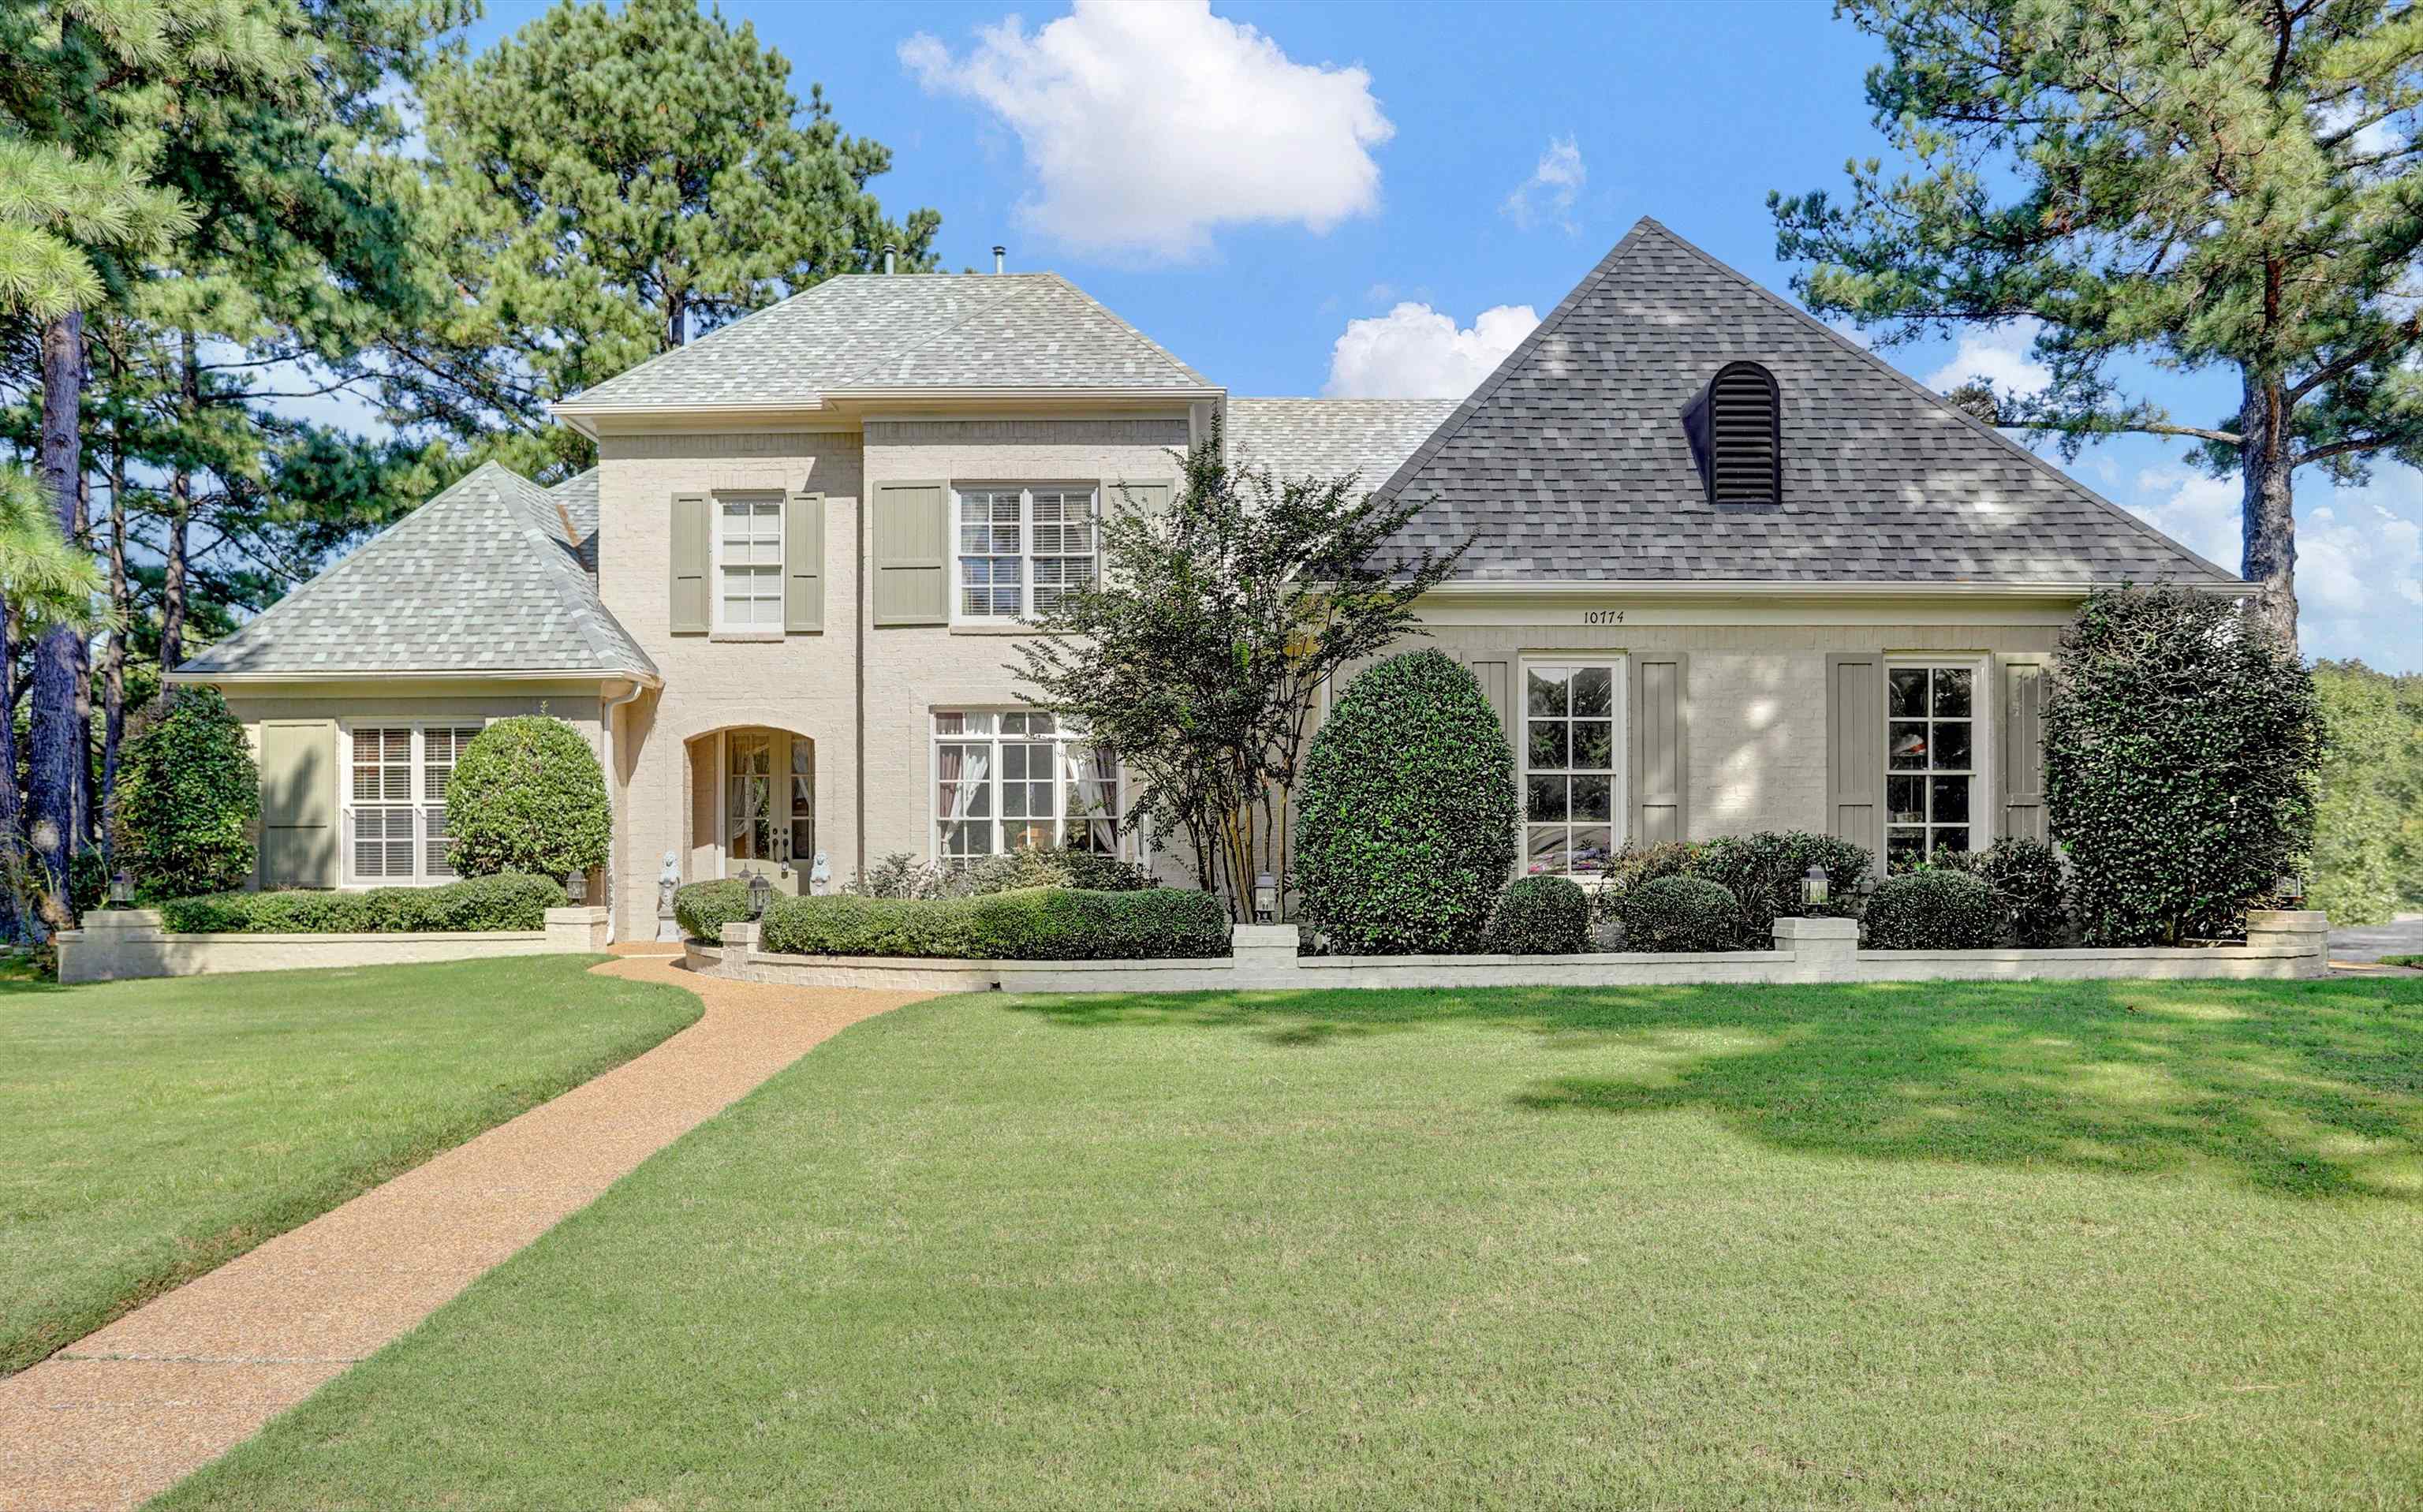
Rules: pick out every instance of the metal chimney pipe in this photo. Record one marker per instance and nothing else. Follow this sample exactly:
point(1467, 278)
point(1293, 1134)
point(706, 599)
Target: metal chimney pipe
point(888, 250)
point(998, 254)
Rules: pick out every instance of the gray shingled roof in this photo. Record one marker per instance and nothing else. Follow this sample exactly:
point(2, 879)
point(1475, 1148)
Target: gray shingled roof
point(1330, 437)
point(1570, 461)
point(579, 497)
point(483, 578)
point(910, 330)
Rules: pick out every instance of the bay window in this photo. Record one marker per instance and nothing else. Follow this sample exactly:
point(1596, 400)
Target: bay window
point(1005, 781)
point(1933, 747)
point(395, 816)
point(1573, 776)
point(1021, 548)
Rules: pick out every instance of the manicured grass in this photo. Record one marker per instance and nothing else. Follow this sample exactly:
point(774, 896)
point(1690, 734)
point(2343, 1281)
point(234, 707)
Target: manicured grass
point(2401, 961)
point(152, 1130)
point(1985, 1247)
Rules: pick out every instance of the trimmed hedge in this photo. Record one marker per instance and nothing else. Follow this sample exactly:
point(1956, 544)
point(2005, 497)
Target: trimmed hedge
point(2031, 882)
point(1030, 924)
point(1764, 872)
point(1539, 916)
point(528, 795)
point(1636, 863)
point(1406, 816)
point(1680, 913)
point(1934, 909)
point(703, 908)
point(475, 904)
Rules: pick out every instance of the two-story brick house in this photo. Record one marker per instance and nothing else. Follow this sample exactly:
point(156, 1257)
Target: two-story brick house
point(1730, 572)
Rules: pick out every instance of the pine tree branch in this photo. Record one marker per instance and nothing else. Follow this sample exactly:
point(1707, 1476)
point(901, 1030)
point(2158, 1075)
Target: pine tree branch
point(2340, 448)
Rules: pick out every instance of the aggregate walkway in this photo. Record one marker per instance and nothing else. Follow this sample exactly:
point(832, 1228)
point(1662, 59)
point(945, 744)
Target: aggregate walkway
point(118, 1416)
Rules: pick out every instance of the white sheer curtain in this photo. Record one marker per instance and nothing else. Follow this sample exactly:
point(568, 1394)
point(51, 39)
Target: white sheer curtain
point(964, 775)
point(1093, 798)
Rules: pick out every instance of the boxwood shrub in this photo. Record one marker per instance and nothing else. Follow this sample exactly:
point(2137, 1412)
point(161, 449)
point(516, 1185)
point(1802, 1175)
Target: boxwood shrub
point(1405, 814)
point(528, 795)
point(1934, 908)
point(1030, 924)
point(1680, 913)
point(1539, 916)
point(188, 792)
point(506, 901)
point(2031, 882)
point(704, 908)
point(1764, 872)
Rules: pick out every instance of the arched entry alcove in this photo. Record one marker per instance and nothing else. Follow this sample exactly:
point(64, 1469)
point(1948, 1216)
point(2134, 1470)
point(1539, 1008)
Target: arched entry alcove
point(752, 804)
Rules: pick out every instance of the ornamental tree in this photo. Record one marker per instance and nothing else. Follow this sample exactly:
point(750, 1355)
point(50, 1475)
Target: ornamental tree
point(528, 795)
point(2181, 746)
point(2227, 186)
point(188, 792)
point(1200, 656)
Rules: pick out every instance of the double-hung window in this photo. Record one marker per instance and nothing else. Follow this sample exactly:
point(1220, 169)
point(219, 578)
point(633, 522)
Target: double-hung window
point(395, 815)
point(1933, 747)
point(1005, 781)
point(749, 562)
point(1021, 548)
point(1573, 767)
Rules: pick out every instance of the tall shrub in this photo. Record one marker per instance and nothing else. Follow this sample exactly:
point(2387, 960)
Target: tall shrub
point(2364, 811)
point(2181, 743)
point(1406, 817)
point(528, 795)
point(188, 791)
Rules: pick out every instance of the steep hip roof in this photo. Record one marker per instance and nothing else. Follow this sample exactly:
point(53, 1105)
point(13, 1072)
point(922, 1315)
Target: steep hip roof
point(1328, 438)
point(1019, 333)
point(485, 578)
point(1570, 461)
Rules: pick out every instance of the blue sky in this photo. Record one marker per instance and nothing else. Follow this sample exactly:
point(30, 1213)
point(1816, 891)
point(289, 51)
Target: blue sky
point(1355, 198)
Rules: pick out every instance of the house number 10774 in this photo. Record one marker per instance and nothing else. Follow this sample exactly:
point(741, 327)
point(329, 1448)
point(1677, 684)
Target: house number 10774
point(1602, 616)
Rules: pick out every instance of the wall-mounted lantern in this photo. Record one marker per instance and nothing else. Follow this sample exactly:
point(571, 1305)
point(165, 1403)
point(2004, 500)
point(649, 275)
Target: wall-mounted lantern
point(761, 892)
point(1266, 898)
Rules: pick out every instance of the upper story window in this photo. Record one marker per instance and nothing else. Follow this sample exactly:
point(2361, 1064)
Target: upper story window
point(749, 562)
point(1572, 768)
point(1021, 548)
point(1933, 749)
point(395, 813)
point(1735, 425)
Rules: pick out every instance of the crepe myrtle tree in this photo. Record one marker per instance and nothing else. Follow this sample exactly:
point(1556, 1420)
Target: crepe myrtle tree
point(1200, 654)
point(2226, 186)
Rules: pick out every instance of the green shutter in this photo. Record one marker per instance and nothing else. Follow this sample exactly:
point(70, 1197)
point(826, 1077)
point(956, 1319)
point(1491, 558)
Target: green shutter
point(911, 527)
point(1492, 675)
point(1659, 746)
point(690, 603)
point(298, 803)
point(1855, 749)
point(803, 563)
point(2022, 748)
point(1148, 499)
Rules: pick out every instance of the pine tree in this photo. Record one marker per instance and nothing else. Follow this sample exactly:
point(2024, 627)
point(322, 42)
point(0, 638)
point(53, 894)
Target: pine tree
point(2226, 184)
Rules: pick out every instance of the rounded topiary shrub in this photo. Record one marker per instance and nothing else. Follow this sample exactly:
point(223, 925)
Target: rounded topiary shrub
point(1539, 916)
point(701, 909)
point(1934, 909)
point(188, 791)
point(528, 795)
point(2181, 745)
point(1679, 914)
point(1405, 813)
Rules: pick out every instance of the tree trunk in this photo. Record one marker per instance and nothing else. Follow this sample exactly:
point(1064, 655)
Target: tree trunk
point(113, 660)
point(62, 695)
point(2268, 515)
point(15, 909)
point(180, 504)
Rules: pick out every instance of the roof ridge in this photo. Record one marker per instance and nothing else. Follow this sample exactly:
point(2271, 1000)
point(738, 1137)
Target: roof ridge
point(1507, 366)
point(896, 352)
point(1931, 397)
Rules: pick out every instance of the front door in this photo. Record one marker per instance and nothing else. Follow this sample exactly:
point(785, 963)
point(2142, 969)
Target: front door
point(770, 807)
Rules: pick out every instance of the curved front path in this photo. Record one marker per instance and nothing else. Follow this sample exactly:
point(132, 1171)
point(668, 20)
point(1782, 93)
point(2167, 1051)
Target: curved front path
point(125, 1412)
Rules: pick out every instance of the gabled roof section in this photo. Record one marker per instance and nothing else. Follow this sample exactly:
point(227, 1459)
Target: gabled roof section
point(861, 332)
point(482, 578)
point(1328, 438)
point(1570, 461)
point(577, 498)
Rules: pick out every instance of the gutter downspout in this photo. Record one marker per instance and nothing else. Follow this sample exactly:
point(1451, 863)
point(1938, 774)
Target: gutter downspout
point(858, 658)
point(614, 834)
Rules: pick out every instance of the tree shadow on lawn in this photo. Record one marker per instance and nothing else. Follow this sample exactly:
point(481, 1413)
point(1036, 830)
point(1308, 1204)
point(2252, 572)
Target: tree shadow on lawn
point(2304, 1089)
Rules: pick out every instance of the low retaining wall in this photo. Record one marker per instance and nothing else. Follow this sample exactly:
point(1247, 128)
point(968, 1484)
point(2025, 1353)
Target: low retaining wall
point(125, 944)
point(2278, 945)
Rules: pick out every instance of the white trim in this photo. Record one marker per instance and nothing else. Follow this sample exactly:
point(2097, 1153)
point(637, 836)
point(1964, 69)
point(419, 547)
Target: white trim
point(646, 679)
point(1027, 556)
point(1125, 844)
point(349, 876)
point(1981, 734)
point(754, 498)
point(1767, 588)
point(1619, 719)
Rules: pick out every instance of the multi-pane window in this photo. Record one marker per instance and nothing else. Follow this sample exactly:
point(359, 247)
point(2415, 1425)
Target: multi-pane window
point(1570, 768)
point(395, 814)
point(1930, 763)
point(1011, 780)
point(749, 562)
point(1021, 550)
point(749, 797)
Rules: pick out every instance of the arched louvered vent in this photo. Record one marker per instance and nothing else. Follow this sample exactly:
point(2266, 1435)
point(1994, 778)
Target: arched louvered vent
point(1737, 429)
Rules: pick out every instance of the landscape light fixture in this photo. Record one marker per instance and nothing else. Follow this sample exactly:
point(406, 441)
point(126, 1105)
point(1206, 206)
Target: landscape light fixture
point(121, 890)
point(2289, 889)
point(761, 891)
point(1266, 898)
point(576, 887)
point(1812, 887)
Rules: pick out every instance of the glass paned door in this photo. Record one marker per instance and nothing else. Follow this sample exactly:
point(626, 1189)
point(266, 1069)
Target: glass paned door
point(749, 796)
point(803, 801)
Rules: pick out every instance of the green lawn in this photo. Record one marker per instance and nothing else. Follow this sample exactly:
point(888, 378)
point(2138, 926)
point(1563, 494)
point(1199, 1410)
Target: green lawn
point(151, 1130)
point(1991, 1247)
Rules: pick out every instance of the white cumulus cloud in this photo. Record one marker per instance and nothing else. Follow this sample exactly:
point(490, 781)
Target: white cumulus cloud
point(1415, 352)
point(1998, 354)
point(1148, 126)
point(1554, 186)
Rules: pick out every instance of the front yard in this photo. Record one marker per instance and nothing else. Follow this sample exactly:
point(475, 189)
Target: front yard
point(152, 1130)
point(1994, 1246)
